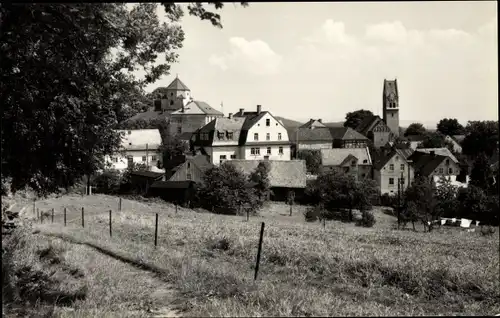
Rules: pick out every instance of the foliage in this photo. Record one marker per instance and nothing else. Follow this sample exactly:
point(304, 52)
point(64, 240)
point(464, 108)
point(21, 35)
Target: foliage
point(481, 174)
point(415, 129)
point(435, 140)
point(313, 213)
point(225, 189)
point(260, 177)
point(126, 185)
point(68, 77)
point(108, 182)
point(450, 127)
point(446, 198)
point(473, 203)
point(353, 119)
point(367, 219)
point(420, 202)
point(312, 158)
point(480, 137)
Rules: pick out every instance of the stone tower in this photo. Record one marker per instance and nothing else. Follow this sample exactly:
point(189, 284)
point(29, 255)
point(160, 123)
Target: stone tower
point(390, 102)
point(173, 97)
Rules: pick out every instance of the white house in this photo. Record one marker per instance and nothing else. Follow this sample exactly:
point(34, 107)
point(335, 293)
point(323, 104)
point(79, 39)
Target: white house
point(138, 146)
point(246, 135)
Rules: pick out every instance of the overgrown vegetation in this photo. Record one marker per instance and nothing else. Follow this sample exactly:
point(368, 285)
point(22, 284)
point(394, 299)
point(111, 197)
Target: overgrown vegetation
point(312, 159)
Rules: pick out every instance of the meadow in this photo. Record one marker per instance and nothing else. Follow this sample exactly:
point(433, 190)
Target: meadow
point(204, 263)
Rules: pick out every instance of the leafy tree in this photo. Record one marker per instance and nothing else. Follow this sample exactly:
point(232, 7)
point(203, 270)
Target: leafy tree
point(435, 140)
point(260, 177)
point(481, 174)
point(480, 137)
point(225, 189)
point(420, 203)
point(312, 158)
point(353, 119)
point(472, 202)
point(108, 182)
point(67, 72)
point(450, 127)
point(126, 185)
point(415, 129)
point(446, 198)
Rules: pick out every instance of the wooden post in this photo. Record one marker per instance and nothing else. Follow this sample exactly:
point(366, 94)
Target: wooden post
point(248, 214)
point(290, 210)
point(156, 230)
point(41, 217)
point(52, 215)
point(64, 216)
point(83, 218)
point(110, 225)
point(34, 208)
point(37, 214)
point(120, 205)
point(259, 251)
point(324, 222)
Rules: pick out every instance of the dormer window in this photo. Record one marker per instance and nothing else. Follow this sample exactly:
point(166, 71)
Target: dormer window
point(229, 135)
point(279, 136)
point(220, 135)
point(353, 163)
point(268, 122)
point(365, 161)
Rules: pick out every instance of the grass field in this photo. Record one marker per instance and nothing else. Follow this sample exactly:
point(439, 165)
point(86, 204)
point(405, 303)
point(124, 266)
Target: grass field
point(205, 263)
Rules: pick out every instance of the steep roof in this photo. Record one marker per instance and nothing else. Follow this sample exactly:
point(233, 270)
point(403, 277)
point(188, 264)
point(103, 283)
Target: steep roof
point(177, 84)
point(197, 107)
point(335, 156)
point(251, 118)
point(351, 134)
point(439, 151)
point(390, 87)
point(425, 164)
point(381, 161)
point(367, 124)
point(282, 174)
point(200, 161)
point(148, 174)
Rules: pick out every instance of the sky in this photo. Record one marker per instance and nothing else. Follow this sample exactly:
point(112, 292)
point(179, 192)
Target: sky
point(322, 60)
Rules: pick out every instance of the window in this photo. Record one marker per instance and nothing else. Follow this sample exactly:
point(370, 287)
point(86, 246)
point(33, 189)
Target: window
point(256, 136)
point(392, 114)
point(391, 167)
point(279, 135)
point(222, 157)
point(363, 175)
point(441, 170)
point(114, 159)
point(266, 157)
point(188, 176)
point(268, 150)
point(391, 181)
point(233, 156)
point(171, 94)
point(280, 150)
point(402, 180)
point(204, 136)
point(268, 122)
point(447, 161)
point(143, 158)
point(154, 158)
point(255, 151)
point(402, 167)
point(268, 136)
point(229, 135)
point(450, 170)
point(179, 129)
point(365, 161)
point(171, 102)
point(220, 135)
point(353, 163)
point(346, 169)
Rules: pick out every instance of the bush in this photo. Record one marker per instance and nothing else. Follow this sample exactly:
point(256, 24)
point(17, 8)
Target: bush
point(367, 219)
point(108, 182)
point(313, 213)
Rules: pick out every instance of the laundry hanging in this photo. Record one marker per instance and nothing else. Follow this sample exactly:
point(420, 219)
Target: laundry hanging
point(465, 223)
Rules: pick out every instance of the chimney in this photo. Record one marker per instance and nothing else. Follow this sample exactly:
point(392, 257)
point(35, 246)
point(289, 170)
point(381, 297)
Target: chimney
point(259, 107)
point(242, 110)
point(230, 115)
point(320, 121)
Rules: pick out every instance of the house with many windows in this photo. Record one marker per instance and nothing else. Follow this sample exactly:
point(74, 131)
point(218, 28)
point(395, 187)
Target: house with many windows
point(354, 161)
point(138, 146)
point(392, 168)
point(254, 135)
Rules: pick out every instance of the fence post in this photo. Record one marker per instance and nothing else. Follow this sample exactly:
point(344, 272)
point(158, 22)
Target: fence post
point(83, 218)
point(248, 215)
point(259, 251)
point(64, 216)
point(37, 214)
point(156, 230)
point(120, 205)
point(324, 222)
point(110, 225)
point(52, 215)
point(34, 203)
point(41, 217)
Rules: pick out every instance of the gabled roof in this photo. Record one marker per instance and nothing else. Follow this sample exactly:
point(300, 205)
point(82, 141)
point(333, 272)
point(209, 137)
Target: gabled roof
point(439, 151)
point(223, 124)
point(367, 124)
point(349, 158)
point(282, 174)
point(177, 84)
point(335, 156)
point(381, 161)
point(186, 136)
point(148, 174)
point(197, 107)
point(425, 164)
point(351, 134)
point(326, 134)
point(313, 123)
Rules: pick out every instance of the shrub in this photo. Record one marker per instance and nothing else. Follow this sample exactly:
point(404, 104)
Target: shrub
point(367, 219)
point(312, 213)
point(107, 182)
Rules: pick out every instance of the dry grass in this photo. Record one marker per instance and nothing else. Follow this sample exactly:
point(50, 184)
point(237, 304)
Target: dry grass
point(306, 270)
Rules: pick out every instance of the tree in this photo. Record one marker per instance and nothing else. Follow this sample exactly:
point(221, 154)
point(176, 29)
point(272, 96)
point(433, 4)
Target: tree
point(260, 177)
point(353, 119)
point(312, 158)
point(472, 202)
point(415, 129)
point(225, 189)
point(67, 72)
point(420, 203)
point(446, 198)
point(481, 174)
point(480, 137)
point(450, 127)
point(435, 140)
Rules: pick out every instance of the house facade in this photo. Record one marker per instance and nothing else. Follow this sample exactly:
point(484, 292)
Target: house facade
point(354, 161)
point(246, 135)
point(139, 146)
point(191, 117)
point(375, 129)
point(435, 165)
point(171, 98)
point(192, 169)
point(392, 168)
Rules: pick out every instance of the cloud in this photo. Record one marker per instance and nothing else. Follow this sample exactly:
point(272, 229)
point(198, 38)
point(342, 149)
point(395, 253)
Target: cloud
point(254, 57)
point(331, 32)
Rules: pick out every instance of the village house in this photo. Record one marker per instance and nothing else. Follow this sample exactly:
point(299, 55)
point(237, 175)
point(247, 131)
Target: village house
point(315, 135)
point(392, 168)
point(191, 168)
point(246, 135)
point(354, 161)
point(139, 146)
point(435, 164)
point(284, 176)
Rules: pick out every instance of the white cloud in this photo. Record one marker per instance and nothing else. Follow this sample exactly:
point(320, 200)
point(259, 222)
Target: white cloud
point(249, 56)
point(331, 32)
point(393, 32)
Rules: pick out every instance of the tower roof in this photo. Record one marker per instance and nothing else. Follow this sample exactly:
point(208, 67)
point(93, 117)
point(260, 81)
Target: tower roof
point(178, 85)
point(390, 87)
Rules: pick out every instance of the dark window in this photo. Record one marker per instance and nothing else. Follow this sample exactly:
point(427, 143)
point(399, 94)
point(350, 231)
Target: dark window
point(171, 102)
point(233, 156)
point(266, 157)
point(353, 163)
point(255, 151)
point(230, 136)
point(280, 150)
point(441, 170)
point(220, 135)
point(391, 167)
point(268, 122)
point(268, 150)
point(189, 165)
point(114, 159)
point(256, 136)
point(143, 158)
point(279, 135)
point(179, 129)
point(157, 104)
point(268, 136)
point(450, 170)
point(391, 181)
point(365, 161)
point(154, 158)
point(222, 157)
point(402, 167)
point(188, 176)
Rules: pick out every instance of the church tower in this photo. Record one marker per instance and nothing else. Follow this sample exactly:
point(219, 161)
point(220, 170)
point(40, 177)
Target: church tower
point(390, 102)
point(173, 97)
